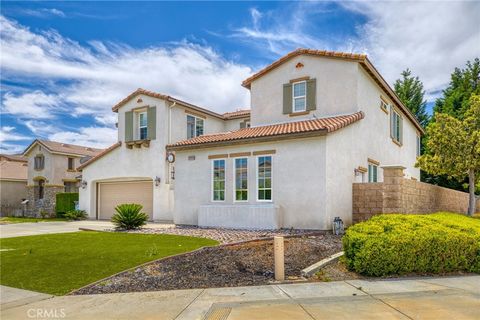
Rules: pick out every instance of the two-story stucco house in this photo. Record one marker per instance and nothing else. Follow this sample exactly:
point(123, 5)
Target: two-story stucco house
point(52, 168)
point(319, 121)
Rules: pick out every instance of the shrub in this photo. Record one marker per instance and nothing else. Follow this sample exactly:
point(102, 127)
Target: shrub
point(65, 202)
point(129, 216)
point(76, 215)
point(398, 244)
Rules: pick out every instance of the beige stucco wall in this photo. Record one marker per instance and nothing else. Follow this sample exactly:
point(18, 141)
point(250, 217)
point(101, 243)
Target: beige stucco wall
point(336, 89)
point(12, 192)
point(298, 181)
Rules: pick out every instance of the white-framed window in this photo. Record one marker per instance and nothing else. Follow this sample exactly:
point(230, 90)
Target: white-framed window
point(383, 105)
point(299, 95)
point(396, 126)
point(142, 125)
point(241, 179)
point(218, 180)
point(419, 146)
point(264, 178)
point(195, 126)
point(372, 172)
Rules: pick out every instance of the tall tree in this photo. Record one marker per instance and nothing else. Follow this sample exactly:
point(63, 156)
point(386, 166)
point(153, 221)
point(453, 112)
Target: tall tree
point(454, 147)
point(410, 90)
point(463, 83)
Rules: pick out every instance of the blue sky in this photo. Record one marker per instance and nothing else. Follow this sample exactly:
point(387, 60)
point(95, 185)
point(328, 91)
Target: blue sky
point(64, 64)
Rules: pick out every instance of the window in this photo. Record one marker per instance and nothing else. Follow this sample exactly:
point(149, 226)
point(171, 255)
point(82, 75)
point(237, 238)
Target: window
point(264, 178)
point(299, 96)
point(419, 146)
point(372, 172)
point(70, 186)
point(39, 162)
point(41, 189)
point(218, 190)
point(396, 126)
point(194, 127)
point(384, 105)
point(71, 164)
point(142, 126)
point(241, 179)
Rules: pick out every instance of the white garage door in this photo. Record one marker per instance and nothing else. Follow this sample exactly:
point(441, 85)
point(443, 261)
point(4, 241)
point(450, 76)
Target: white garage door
point(111, 194)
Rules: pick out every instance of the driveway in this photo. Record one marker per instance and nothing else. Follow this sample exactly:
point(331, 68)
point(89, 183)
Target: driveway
point(30, 229)
point(422, 298)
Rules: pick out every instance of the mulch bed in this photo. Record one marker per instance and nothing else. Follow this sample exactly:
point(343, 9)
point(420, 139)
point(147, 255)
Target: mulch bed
point(243, 264)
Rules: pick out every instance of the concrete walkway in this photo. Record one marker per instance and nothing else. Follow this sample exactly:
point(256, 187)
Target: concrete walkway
point(425, 298)
point(30, 229)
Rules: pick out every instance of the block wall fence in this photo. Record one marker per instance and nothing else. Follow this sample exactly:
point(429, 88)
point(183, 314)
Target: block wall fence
point(397, 194)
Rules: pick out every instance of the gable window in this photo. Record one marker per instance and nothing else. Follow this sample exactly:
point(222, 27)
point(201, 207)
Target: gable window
point(142, 126)
point(419, 146)
point(194, 126)
point(241, 179)
point(39, 162)
point(396, 124)
point(264, 178)
point(71, 164)
point(299, 96)
point(383, 105)
point(372, 172)
point(218, 180)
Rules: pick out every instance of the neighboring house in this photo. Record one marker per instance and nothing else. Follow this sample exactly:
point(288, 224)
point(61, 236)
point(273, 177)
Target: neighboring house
point(136, 169)
point(52, 168)
point(13, 183)
point(319, 121)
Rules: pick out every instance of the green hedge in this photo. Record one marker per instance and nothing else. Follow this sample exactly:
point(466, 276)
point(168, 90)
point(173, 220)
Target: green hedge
point(399, 244)
point(65, 202)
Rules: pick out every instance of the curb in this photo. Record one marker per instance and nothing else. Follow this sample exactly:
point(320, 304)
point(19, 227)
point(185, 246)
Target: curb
point(311, 270)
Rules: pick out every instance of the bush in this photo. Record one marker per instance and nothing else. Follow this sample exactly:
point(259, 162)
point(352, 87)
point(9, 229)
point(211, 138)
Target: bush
point(65, 202)
point(399, 244)
point(76, 215)
point(129, 217)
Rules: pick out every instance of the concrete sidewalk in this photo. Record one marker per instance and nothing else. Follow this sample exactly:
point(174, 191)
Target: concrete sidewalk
point(422, 298)
point(30, 229)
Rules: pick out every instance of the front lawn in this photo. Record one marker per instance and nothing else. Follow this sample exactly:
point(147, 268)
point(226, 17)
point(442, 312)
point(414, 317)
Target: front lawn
point(60, 263)
point(9, 220)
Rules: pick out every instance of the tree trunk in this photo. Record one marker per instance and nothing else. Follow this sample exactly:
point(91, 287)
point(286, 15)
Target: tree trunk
point(471, 190)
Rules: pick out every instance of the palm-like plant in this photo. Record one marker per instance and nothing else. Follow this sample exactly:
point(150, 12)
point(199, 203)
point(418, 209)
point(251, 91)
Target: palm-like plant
point(129, 216)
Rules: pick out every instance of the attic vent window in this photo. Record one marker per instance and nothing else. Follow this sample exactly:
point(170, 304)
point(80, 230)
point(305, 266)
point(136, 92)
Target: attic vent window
point(89, 149)
point(299, 65)
point(139, 100)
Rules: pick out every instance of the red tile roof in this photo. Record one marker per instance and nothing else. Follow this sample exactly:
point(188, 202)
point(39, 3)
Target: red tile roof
point(104, 152)
point(237, 114)
point(319, 126)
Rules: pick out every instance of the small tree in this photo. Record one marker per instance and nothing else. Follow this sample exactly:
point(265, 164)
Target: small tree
point(410, 91)
point(453, 148)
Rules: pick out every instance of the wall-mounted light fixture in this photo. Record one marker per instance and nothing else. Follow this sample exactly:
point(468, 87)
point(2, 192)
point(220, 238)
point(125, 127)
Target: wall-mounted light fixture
point(83, 184)
point(157, 181)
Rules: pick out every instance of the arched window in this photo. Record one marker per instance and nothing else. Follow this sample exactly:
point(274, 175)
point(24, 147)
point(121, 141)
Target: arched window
point(41, 189)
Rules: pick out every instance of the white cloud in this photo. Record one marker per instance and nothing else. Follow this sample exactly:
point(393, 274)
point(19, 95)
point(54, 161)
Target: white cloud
point(95, 137)
point(36, 105)
point(430, 38)
point(7, 133)
point(42, 13)
point(40, 128)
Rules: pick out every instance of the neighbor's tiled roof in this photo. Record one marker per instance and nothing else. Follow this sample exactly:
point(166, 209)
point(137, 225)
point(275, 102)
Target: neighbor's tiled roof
point(322, 53)
point(101, 154)
point(60, 147)
point(14, 157)
point(13, 170)
point(237, 114)
point(325, 125)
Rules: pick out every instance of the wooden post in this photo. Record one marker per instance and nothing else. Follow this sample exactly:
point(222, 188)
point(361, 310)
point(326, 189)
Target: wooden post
point(278, 250)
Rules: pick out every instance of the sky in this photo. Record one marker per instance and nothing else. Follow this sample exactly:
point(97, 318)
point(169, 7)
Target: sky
point(65, 64)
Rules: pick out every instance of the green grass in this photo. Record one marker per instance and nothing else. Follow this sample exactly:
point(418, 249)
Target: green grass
point(10, 220)
point(60, 263)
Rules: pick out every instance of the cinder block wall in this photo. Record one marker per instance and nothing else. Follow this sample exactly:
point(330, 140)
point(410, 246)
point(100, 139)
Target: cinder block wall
point(399, 195)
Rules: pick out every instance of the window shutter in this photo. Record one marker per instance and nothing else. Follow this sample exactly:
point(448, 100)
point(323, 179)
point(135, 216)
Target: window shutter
point(129, 126)
point(151, 123)
point(400, 129)
point(392, 123)
point(311, 94)
point(287, 98)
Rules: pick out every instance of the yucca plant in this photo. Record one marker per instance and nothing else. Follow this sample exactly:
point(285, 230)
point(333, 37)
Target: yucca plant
point(129, 216)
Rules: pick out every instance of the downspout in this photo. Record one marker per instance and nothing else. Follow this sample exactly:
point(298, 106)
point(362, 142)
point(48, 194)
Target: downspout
point(169, 137)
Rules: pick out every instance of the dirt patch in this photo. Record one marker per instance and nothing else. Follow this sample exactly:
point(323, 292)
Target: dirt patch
point(224, 266)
